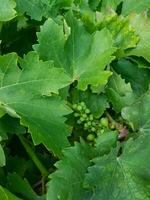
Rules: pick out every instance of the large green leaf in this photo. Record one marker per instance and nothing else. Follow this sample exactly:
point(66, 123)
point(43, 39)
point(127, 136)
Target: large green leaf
point(37, 9)
point(106, 141)
point(125, 177)
point(7, 11)
point(6, 195)
point(86, 64)
point(134, 6)
point(21, 186)
point(119, 93)
point(141, 23)
point(138, 77)
point(23, 93)
point(66, 183)
point(139, 114)
point(9, 125)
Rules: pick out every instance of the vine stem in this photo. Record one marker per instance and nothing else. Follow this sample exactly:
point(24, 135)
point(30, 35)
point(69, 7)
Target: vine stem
point(33, 156)
point(110, 118)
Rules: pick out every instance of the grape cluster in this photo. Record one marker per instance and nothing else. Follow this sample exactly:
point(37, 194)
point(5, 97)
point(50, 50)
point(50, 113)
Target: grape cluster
point(86, 118)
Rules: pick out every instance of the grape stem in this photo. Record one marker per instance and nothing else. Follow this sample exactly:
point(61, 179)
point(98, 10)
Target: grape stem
point(33, 156)
point(110, 117)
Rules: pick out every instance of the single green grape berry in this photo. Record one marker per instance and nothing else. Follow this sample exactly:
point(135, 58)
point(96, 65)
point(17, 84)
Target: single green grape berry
point(98, 132)
point(84, 116)
point(91, 117)
point(87, 111)
point(76, 114)
point(84, 107)
point(79, 108)
point(82, 104)
point(112, 126)
point(104, 122)
point(89, 123)
point(90, 137)
point(82, 119)
point(102, 131)
point(74, 106)
point(93, 129)
point(79, 121)
point(93, 124)
point(86, 125)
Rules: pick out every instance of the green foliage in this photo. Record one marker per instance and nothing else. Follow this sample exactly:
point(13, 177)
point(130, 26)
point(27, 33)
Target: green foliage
point(21, 93)
point(86, 65)
point(140, 122)
point(119, 93)
point(135, 6)
point(127, 179)
point(74, 99)
point(142, 26)
point(7, 11)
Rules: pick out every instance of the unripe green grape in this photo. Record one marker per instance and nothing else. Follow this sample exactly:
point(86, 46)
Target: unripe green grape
point(89, 123)
point(93, 124)
point(93, 129)
point(84, 107)
point(82, 104)
point(79, 108)
point(102, 131)
point(85, 128)
point(85, 125)
point(82, 119)
point(79, 121)
point(74, 106)
point(98, 132)
point(104, 122)
point(91, 117)
point(87, 111)
point(76, 114)
point(112, 126)
point(84, 116)
point(90, 137)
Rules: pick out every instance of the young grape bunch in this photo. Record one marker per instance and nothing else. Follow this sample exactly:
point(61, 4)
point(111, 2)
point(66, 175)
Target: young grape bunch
point(84, 116)
point(90, 124)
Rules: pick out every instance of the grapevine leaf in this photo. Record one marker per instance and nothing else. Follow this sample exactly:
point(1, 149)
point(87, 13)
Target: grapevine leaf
point(139, 114)
point(106, 141)
point(66, 183)
point(22, 91)
point(141, 24)
point(86, 65)
point(37, 9)
point(125, 177)
point(22, 186)
point(139, 78)
point(134, 6)
point(119, 93)
point(123, 33)
point(93, 4)
point(7, 11)
point(9, 125)
point(107, 5)
point(6, 195)
point(18, 165)
point(51, 43)
point(96, 103)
